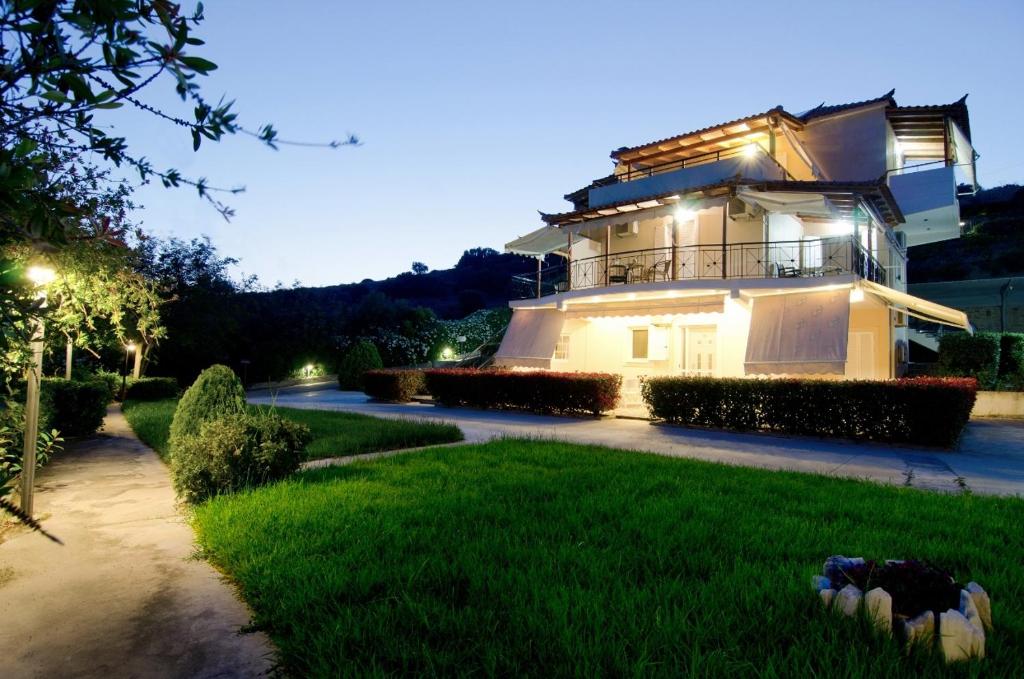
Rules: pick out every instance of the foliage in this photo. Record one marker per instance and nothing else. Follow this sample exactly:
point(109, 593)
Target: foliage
point(236, 451)
point(519, 558)
point(538, 391)
point(151, 422)
point(48, 443)
point(1011, 360)
point(925, 410)
point(73, 407)
point(216, 393)
point(419, 268)
point(965, 355)
point(152, 389)
point(359, 358)
point(915, 586)
point(394, 384)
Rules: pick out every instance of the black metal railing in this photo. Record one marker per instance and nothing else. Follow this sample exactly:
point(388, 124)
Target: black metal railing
point(810, 258)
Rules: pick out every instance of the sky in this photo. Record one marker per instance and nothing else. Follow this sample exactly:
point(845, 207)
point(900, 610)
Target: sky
point(474, 116)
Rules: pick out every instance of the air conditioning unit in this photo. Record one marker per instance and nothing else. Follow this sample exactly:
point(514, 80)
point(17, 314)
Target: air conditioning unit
point(627, 230)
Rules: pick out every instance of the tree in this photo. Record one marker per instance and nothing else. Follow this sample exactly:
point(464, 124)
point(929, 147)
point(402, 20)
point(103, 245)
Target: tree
point(419, 268)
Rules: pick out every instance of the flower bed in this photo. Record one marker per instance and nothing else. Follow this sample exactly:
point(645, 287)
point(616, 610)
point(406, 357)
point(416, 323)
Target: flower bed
point(926, 410)
point(921, 604)
point(537, 391)
point(396, 384)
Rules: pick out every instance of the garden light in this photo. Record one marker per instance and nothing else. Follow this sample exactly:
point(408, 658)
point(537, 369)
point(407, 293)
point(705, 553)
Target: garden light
point(447, 354)
point(41, 275)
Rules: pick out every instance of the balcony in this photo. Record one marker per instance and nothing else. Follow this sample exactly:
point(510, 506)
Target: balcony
point(814, 258)
point(749, 162)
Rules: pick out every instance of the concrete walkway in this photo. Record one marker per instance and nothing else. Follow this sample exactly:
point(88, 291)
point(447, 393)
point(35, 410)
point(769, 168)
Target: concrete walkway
point(990, 458)
point(123, 596)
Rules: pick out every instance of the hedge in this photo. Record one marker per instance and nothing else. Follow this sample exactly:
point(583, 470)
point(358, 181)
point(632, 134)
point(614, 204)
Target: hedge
point(965, 355)
point(152, 389)
point(394, 384)
point(74, 408)
point(217, 392)
point(926, 410)
point(1011, 360)
point(536, 391)
point(359, 358)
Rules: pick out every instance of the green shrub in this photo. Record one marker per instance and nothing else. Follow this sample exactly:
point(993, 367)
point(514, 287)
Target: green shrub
point(964, 355)
point(75, 408)
point(237, 451)
point(1011, 360)
point(111, 379)
point(394, 384)
point(152, 389)
point(359, 358)
point(925, 410)
point(538, 391)
point(217, 392)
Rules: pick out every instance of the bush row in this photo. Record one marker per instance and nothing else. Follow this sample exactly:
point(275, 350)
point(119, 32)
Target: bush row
point(925, 410)
point(73, 407)
point(151, 389)
point(536, 391)
point(995, 359)
point(394, 384)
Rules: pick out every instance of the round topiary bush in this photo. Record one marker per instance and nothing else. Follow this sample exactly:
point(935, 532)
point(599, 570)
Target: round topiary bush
point(359, 358)
point(217, 392)
point(237, 451)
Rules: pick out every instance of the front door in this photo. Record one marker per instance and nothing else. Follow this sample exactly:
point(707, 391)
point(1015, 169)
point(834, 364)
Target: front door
point(698, 350)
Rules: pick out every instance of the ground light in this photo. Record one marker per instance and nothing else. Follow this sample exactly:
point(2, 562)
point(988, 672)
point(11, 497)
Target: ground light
point(447, 354)
point(39, 275)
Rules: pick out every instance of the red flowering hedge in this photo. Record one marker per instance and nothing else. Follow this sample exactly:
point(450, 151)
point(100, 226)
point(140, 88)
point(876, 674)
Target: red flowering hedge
point(536, 390)
point(926, 410)
point(394, 384)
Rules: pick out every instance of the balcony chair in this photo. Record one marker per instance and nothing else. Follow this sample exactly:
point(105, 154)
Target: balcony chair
point(658, 272)
point(617, 273)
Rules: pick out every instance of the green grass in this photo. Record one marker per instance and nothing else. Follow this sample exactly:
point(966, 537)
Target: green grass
point(335, 434)
point(550, 559)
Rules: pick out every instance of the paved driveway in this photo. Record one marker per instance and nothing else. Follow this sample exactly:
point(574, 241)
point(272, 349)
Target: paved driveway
point(990, 458)
point(122, 597)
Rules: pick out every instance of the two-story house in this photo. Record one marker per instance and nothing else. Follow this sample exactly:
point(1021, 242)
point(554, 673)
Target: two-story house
point(773, 244)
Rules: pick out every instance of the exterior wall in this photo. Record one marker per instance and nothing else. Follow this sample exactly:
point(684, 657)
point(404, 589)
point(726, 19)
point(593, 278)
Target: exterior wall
point(872, 316)
point(849, 146)
point(790, 158)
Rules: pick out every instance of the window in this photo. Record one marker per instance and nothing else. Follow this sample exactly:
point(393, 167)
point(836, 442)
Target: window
point(640, 336)
point(562, 348)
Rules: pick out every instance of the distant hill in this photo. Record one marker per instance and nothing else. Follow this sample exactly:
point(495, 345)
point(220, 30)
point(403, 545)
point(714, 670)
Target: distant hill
point(992, 243)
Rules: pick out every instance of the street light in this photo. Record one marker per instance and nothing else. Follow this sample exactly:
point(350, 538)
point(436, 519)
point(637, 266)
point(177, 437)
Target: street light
point(39, 275)
point(128, 349)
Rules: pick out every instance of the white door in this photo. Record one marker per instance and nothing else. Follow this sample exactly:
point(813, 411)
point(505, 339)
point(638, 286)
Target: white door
point(699, 351)
point(860, 356)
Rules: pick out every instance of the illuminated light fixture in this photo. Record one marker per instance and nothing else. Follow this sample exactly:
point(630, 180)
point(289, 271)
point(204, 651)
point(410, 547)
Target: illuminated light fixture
point(683, 214)
point(750, 150)
point(41, 275)
point(130, 347)
point(447, 354)
point(856, 295)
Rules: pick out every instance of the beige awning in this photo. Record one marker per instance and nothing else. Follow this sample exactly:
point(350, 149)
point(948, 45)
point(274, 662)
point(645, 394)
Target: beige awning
point(530, 339)
point(921, 308)
point(789, 203)
point(541, 242)
point(799, 333)
point(649, 307)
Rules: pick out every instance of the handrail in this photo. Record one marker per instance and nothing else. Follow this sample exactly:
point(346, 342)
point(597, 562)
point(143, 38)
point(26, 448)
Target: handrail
point(682, 163)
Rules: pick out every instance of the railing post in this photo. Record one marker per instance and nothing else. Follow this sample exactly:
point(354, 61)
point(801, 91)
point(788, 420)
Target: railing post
point(539, 260)
point(607, 247)
point(568, 265)
point(725, 226)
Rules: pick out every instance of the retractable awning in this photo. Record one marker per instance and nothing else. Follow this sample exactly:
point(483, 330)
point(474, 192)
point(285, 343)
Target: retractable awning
point(541, 242)
point(649, 307)
point(799, 333)
point(789, 203)
point(530, 339)
point(921, 308)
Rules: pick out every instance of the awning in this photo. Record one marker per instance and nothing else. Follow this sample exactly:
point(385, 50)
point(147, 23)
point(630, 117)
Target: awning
point(649, 307)
point(921, 308)
point(799, 333)
point(530, 339)
point(543, 241)
point(638, 212)
point(810, 204)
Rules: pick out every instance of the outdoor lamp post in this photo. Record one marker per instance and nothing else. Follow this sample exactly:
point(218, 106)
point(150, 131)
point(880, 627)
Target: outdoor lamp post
point(39, 276)
point(128, 349)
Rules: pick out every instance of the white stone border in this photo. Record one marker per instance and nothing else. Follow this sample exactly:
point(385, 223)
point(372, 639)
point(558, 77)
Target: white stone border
point(959, 633)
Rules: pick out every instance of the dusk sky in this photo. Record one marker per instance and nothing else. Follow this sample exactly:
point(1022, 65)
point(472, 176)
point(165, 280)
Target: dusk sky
point(475, 116)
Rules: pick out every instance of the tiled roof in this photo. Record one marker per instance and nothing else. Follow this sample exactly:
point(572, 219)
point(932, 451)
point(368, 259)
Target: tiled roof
point(822, 110)
point(957, 111)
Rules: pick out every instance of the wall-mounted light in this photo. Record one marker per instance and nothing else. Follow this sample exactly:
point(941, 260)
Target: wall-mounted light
point(750, 150)
point(856, 295)
point(683, 214)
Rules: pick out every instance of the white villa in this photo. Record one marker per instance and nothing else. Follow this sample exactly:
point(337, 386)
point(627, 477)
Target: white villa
point(774, 244)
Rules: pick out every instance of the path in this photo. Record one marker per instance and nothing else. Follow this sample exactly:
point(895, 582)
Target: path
point(123, 596)
point(990, 458)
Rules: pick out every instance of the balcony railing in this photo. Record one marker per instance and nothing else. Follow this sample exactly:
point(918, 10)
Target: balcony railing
point(778, 259)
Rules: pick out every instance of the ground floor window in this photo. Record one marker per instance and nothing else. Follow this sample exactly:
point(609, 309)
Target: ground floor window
point(562, 348)
point(640, 342)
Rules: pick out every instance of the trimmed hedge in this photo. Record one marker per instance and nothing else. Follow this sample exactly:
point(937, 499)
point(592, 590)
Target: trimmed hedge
point(72, 407)
point(964, 355)
point(536, 391)
point(394, 384)
point(359, 358)
point(1011, 360)
point(925, 410)
point(217, 392)
point(152, 389)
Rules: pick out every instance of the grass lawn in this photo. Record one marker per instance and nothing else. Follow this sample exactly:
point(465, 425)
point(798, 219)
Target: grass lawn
point(334, 433)
point(543, 558)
